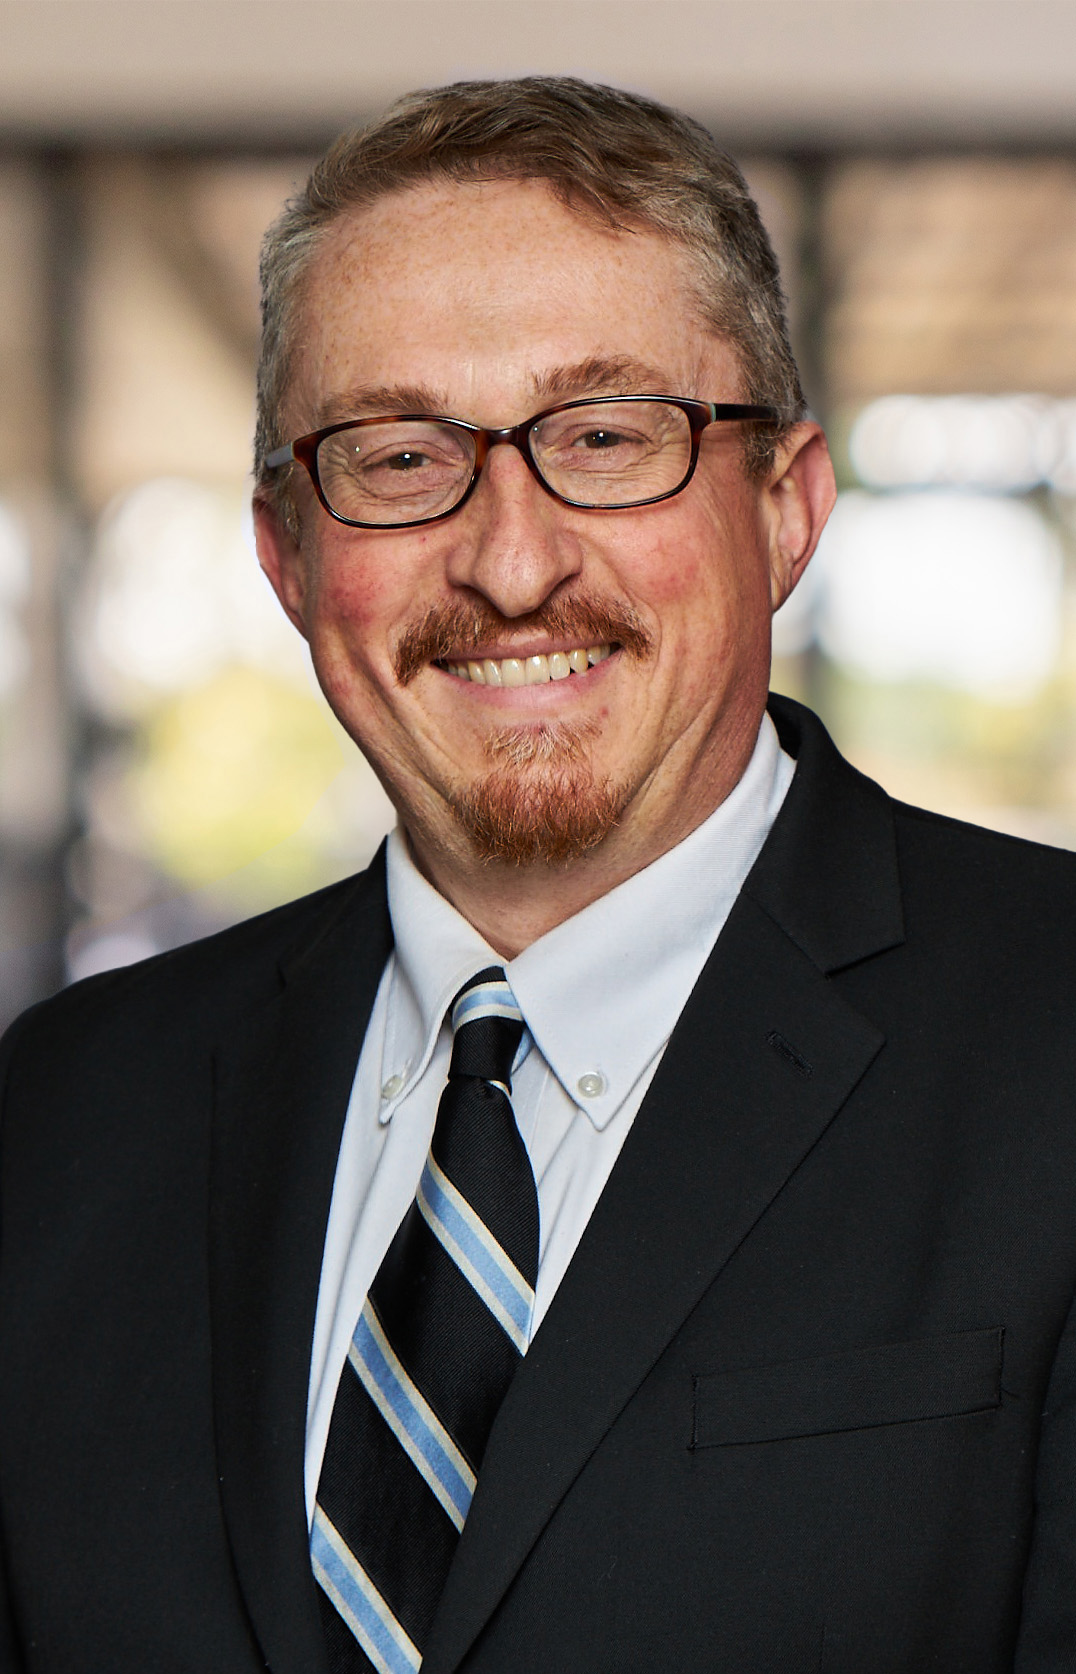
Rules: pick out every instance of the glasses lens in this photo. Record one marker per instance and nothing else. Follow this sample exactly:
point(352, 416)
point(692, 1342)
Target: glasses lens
point(614, 453)
point(392, 471)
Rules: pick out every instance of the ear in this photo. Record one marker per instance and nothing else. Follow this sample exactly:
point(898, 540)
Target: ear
point(799, 497)
point(281, 557)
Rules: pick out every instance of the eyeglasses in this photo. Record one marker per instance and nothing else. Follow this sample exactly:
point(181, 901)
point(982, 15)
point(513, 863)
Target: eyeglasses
point(606, 455)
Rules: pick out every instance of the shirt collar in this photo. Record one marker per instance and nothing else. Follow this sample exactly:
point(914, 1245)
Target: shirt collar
point(436, 952)
point(601, 992)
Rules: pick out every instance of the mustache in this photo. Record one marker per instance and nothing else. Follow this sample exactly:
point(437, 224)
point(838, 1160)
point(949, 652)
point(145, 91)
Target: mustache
point(456, 630)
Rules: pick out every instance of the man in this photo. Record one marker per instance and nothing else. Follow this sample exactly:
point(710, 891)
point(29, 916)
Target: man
point(737, 1340)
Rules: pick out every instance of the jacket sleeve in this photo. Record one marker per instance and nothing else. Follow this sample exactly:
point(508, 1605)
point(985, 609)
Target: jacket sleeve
point(1047, 1639)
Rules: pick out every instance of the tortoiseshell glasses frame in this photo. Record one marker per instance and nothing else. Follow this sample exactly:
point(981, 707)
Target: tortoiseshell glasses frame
point(664, 461)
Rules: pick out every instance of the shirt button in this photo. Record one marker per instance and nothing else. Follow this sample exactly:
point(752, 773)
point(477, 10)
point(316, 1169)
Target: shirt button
point(392, 1086)
point(592, 1085)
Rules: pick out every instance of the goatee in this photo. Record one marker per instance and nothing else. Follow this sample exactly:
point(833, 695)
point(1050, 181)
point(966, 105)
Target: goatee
point(541, 802)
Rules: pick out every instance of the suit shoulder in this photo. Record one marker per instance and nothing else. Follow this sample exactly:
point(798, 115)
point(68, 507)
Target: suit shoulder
point(848, 872)
point(942, 839)
point(1008, 904)
point(209, 978)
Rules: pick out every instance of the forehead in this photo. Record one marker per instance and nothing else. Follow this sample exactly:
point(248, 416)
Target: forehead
point(479, 291)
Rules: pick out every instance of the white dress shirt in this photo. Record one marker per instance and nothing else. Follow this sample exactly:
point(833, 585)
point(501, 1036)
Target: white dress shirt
point(600, 993)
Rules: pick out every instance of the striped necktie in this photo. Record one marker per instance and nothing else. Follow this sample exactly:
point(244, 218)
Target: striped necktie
point(442, 1331)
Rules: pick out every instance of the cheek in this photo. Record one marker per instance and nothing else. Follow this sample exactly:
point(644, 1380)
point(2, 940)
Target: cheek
point(701, 595)
point(708, 562)
point(359, 607)
point(711, 605)
point(374, 587)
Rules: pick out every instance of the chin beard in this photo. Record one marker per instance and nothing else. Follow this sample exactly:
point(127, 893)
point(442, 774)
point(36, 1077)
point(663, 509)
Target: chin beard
point(541, 804)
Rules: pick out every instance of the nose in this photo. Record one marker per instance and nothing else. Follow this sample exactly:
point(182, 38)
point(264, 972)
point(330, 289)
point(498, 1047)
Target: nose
point(513, 542)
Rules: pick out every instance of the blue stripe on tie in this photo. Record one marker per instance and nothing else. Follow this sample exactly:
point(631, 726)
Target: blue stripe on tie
point(415, 1425)
point(493, 999)
point(354, 1595)
point(477, 1253)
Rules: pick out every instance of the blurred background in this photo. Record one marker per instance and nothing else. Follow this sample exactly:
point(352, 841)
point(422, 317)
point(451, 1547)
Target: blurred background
point(166, 765)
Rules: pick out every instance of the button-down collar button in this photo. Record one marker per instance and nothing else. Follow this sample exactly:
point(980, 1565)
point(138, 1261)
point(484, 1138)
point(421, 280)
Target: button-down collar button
point(591, 1085)
point(392, 1086)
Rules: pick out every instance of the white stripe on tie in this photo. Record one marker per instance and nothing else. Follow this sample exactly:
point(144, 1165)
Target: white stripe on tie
point(347, 1584)
point(493, 999)
point(487, 1267)
point(411, 1419)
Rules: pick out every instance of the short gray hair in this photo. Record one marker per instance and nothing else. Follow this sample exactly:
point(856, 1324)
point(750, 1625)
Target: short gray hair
point(622, 159)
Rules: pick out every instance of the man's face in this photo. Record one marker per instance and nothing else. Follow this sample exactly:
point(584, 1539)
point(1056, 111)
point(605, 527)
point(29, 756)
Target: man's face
point(489, 302)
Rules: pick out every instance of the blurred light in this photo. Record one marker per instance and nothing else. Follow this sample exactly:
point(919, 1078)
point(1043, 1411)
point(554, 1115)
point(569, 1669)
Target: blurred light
point(1006, 443)
point(176, 595)
point(1064, 473)
point(962, 589)
point(108, 952)
point(794, 623)
point(229, 770)
point(14, 586)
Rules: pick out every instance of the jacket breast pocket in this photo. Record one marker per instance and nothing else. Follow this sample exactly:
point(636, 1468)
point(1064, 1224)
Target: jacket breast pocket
point(893, 1383)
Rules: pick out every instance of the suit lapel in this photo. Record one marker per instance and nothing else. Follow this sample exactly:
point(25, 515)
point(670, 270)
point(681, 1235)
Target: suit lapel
point(763, 1057)
point(281, 1096)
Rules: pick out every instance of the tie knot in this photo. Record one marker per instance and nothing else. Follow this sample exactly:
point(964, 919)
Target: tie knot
point(487, 1027)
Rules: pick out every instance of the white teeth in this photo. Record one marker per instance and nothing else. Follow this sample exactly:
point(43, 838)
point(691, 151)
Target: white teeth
point(530, 671)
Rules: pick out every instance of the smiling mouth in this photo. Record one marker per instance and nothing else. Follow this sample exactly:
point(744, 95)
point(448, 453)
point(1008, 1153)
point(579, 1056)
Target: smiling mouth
point(528, 671)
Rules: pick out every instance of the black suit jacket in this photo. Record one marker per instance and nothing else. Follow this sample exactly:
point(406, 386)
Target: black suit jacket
point(805, 1400)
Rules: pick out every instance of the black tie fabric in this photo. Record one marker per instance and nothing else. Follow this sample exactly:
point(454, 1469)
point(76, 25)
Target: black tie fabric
point(442, 1331)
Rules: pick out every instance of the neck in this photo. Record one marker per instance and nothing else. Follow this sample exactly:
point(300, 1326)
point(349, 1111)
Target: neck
point(512, 906)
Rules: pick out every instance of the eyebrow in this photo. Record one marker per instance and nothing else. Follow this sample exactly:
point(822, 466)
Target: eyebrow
point(601, 374)
point(368, 400)
point(597, 375)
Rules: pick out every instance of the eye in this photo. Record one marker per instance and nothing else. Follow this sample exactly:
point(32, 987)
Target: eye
point(578, 445)
point(378, 455)
point(595, 440)
point(412, 460)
